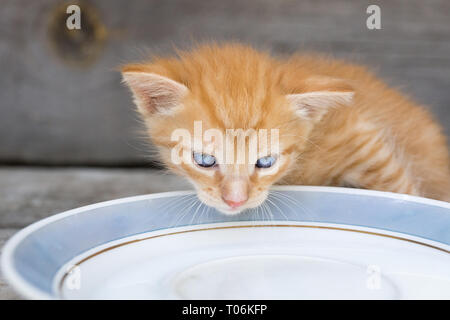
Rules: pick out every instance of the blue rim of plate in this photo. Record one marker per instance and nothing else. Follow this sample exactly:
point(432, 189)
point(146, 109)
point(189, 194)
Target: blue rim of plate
point(32, 258)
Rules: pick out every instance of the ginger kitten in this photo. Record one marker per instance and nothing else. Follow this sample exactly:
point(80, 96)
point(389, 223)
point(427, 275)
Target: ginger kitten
point(338, 125)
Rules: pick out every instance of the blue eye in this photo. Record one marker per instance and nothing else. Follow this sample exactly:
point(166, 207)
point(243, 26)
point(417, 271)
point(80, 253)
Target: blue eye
point(265, 162)
point(204, 160)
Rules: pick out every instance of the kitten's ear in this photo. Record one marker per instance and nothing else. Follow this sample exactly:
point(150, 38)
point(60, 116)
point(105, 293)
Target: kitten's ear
point(154, 94)
point(322, 94)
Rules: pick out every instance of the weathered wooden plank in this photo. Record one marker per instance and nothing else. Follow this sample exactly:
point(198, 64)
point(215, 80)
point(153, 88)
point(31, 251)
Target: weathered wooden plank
point(31, 194)
point(55, 112)
point(6, 292)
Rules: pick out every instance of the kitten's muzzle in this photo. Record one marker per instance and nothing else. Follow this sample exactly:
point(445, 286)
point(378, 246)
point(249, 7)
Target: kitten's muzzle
point(235, 192)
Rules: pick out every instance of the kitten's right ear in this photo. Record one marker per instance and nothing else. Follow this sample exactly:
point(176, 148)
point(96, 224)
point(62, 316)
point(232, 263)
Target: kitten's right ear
point(154, 94)
point(320, 94)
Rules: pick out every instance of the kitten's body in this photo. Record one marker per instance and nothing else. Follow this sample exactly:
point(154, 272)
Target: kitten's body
point(383, 141)
point(379, 140)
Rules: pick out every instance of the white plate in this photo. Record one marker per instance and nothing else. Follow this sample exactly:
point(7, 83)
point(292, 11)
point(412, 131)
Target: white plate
point(242, 261)
point(396, 248)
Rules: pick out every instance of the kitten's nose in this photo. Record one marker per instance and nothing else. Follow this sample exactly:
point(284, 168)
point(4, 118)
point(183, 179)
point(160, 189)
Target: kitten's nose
point(234, 192)
point(234, 204)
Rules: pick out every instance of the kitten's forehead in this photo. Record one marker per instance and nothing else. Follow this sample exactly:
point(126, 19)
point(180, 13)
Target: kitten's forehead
point(233, 85)
point(230, 87)
point(236, 104)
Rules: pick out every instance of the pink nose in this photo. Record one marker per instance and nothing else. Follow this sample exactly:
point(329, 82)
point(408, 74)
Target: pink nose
point(234, 204)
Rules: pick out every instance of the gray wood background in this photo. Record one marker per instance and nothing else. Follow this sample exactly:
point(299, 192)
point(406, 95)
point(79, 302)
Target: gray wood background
point(61, 101)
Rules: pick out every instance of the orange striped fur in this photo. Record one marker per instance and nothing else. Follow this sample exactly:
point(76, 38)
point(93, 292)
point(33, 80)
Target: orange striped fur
point(381, 140)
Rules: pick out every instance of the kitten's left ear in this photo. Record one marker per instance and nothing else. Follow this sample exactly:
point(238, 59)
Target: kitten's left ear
point(153, 93)
point(323, 94)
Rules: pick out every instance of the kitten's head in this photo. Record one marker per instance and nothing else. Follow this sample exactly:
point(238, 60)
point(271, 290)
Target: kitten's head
point(206, 109)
